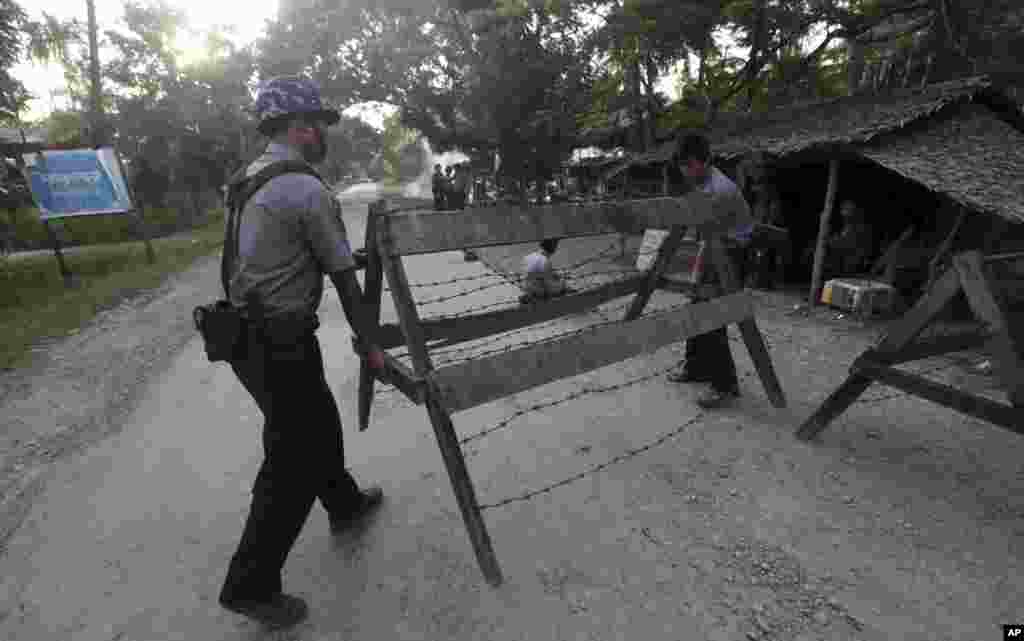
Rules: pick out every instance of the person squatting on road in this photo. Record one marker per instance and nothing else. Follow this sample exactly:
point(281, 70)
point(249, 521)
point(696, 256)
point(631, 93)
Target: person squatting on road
point(708, 358)
point(290, 234)
point(540, 280)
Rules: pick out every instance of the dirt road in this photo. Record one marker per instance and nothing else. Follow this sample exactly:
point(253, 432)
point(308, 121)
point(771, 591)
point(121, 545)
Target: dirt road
point(128, 458)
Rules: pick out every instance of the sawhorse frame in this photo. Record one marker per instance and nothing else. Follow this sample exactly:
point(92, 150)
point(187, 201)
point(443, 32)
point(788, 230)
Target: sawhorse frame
point(393, 233)
point(989, 285)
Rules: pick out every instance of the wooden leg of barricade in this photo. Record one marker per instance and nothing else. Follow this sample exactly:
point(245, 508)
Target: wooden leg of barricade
point(899, 346)
point(834, 405)
point(1004, 347)
point(665, 254)
point(440, 419)
point(373, 288)
point(889, 350)
point(729, 282)
point(758, 350)
point(462, 485)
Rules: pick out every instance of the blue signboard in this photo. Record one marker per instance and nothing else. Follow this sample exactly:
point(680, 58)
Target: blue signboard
point(78, 182)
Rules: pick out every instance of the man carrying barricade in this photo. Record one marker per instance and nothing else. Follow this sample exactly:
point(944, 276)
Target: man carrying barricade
point(708, 358)
point(284, 233)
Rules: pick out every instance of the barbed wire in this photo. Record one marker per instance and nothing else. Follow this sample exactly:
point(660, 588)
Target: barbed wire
point(505, 422)
point(467, 292)
point(581, 330)
point(597, 309)
point(628, 454)
point(460, 279)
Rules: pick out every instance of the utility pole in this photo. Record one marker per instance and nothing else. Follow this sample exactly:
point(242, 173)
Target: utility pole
point(95, 107)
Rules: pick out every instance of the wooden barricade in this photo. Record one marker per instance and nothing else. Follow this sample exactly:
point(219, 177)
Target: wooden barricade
point(992, 285)
point(393, 233)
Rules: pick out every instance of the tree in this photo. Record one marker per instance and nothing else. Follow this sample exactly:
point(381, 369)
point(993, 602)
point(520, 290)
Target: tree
point(506, 76)
point(20, 39)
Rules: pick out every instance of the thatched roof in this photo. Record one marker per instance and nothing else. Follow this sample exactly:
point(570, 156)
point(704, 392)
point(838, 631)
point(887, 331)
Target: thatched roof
point(850, 120)
point(972, 156)
point(955, 138)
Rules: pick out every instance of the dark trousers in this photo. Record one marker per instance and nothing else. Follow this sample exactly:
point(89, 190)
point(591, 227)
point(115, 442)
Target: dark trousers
point(303, 456)
point(708, 357)
point(439, 199)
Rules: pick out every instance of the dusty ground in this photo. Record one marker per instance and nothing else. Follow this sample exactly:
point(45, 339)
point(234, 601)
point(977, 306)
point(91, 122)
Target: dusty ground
point(904, 522)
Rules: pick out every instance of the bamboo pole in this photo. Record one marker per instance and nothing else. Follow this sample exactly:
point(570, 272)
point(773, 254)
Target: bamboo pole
point(826, 216)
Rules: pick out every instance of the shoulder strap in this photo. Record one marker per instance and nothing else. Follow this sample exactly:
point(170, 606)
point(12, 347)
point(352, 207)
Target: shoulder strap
point(240, 189)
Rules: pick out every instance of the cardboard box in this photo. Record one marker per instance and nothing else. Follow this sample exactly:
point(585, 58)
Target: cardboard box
point(864, 297)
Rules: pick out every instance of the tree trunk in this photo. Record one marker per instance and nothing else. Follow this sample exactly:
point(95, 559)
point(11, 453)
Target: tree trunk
point(854, 66)
point(755, 52)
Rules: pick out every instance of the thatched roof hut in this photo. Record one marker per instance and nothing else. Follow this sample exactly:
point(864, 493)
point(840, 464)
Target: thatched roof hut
point(926, 154)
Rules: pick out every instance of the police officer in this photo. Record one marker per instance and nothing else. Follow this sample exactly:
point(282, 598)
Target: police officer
point(290, 235)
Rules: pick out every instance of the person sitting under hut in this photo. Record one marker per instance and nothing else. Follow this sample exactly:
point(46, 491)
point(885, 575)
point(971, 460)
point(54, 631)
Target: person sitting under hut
point(849, 251)
point(541, 281)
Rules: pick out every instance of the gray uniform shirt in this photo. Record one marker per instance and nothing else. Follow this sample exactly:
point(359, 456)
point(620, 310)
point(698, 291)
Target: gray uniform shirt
point(291, 234)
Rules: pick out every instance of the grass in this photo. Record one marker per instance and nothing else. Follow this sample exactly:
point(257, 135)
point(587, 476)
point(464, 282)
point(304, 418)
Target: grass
point(35, 305)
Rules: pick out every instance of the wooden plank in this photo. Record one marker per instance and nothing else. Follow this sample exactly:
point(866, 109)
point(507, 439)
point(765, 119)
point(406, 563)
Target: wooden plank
point(837, 403)
point(997, 413)
point(758, 350)
point(456, 330)
point(444, 431)
point(665, 253)
point(422, 231)
point(921, 314)
point(823, 227)
point(884, 260)
point(672, 284)
point(976, 287)
point(930, 347)
point(482, 380)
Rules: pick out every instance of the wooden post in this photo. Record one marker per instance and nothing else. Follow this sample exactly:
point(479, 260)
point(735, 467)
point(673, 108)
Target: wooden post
point(826, 216)
point(144, 230)
point(373, 288)
point(69, 278)
point(444, 431)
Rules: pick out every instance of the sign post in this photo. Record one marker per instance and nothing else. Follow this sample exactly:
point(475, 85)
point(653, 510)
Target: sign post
point(79, 182)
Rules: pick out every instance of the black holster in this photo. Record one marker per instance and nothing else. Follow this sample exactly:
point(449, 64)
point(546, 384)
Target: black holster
point(221, 326)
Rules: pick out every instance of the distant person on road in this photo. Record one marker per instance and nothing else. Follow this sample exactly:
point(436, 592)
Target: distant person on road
point(289, 234)
point(457, 199)
point(708, 358)
point(540, 280)
point(437, 186)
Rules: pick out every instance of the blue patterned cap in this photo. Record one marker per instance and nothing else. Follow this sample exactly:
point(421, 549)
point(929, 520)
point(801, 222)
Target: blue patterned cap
point(291, 95)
